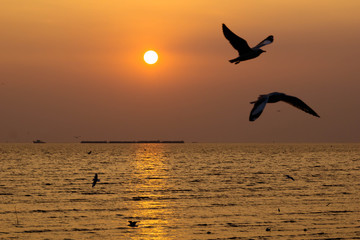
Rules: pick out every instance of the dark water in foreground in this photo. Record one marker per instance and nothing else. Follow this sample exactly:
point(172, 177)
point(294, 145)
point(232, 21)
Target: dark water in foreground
point(180, 191)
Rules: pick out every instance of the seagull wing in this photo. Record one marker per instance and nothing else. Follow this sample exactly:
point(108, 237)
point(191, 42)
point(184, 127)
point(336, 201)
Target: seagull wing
point(296, 102)
point(266, 41)
point(237, 42)
point(258, 107)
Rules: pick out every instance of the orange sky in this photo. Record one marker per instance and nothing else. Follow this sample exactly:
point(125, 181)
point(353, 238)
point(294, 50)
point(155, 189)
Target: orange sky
point(75, 68)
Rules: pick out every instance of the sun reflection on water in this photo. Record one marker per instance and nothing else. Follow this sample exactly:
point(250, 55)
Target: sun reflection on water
point(150, 184)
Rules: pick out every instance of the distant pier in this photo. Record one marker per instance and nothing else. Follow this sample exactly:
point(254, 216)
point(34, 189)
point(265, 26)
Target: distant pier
point(94, 142)
point(142, 141)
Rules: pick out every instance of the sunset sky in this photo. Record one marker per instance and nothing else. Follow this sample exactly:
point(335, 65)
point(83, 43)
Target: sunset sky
point(75, 68)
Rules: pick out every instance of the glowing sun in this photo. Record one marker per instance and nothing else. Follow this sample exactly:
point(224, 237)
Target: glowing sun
point(150, 57)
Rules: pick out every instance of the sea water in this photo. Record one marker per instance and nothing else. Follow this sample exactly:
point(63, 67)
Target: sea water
point(180, 191)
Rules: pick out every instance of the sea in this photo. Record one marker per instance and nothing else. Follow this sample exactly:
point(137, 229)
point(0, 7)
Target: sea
point(180, 191)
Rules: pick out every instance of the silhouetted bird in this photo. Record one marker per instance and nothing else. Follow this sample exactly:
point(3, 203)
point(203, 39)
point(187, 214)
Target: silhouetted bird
point(290, 177)
point(90, 152)
point(95, 180)
point(133, 223)
point(268, 229)
point(276, 97)
point(245, 52)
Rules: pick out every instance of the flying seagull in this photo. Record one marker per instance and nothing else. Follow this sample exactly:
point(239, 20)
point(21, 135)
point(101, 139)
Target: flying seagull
point(245, 52)
point(290, 177)
point(133, 223)
point(276, 97)
point(95, 180)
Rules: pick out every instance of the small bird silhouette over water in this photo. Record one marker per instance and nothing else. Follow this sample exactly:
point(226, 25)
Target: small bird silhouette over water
point(89, 152)
point(245, 52)
point(95, 180)
point(290, 177)
point(276, 97)
point(133, 223)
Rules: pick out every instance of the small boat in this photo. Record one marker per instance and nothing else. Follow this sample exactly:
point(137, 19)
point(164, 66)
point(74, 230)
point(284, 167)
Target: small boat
point(38, 141)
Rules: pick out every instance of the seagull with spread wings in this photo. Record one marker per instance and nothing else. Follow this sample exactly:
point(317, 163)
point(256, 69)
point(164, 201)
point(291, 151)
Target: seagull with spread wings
point(133, 223)
point(95, 180)
point(245, 52)
point(290, 177)
point(274, 97)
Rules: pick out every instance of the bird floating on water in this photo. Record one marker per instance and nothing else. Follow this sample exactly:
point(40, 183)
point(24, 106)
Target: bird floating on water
point(245, 52)
point(95, 180)
point(133, 223)
point(276, 97)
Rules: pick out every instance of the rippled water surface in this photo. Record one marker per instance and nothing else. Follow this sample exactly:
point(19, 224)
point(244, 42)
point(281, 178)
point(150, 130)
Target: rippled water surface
point(180, 191)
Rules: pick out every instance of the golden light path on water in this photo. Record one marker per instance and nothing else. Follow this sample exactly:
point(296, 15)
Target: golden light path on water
point(150, 174)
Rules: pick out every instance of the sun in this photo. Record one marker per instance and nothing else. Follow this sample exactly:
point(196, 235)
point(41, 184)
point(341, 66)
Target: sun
point(150, 57)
